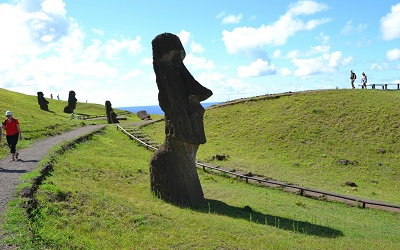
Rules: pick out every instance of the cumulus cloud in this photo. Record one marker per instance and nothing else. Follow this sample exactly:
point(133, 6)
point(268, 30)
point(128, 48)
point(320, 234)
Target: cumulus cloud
point(285, 72)
point(184, 36)
point(326, 63)
point(306, 8)
point(390, 23)
point(393, 54)
point(257, 68)
point(231, 19)
point(47, 51)
point(242, 39)
point(227, 86)
point(197, 63)
point(277, 53)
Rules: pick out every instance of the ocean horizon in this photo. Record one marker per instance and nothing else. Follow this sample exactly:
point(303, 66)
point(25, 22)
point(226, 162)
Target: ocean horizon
point(156, 109)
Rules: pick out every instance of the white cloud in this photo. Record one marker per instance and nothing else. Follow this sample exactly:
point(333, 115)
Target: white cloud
point(197, 63)
point(393, 54)
point(285, 72)
point(390, 23)
point(231, 19)
point(46, 51)
point(349, 28)
point(242, 39)
point(306, 8)
point(257, 68)
point(147, 60)
point(184, 36)
point(326, 63)
point(98, 31)
point(131, 74)
point(196, 47)
point(230, 87)
point(379, 67)
point(277, 53)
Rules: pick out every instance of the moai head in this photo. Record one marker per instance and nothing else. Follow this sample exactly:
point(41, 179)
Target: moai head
point(179, 93)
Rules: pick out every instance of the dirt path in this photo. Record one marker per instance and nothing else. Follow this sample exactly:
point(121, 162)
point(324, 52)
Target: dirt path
point(11, 171)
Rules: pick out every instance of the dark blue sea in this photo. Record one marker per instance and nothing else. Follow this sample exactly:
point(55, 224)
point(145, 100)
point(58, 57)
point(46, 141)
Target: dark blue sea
point(156, 110)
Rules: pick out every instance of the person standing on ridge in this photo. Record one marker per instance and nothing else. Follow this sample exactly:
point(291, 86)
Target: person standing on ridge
point(364, 80)
point(13, 132)
point(353, 77)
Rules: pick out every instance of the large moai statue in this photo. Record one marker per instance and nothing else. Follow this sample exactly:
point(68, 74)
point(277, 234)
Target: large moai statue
point(71, 103)
point(43, 103)
point(173, 174)
point(111, 116)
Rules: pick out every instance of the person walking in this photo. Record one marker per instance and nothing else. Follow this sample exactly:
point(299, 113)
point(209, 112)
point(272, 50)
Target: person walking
point(353, 77)
point(364, 80)
point(13, 132)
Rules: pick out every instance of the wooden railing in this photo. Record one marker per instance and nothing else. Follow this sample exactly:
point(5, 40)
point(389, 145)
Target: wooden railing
point(302, 190)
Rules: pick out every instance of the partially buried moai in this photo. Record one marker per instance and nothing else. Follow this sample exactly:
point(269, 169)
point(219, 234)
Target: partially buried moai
point(71, 102)
point(110, 114)
point(43, 103)
point(173, 174)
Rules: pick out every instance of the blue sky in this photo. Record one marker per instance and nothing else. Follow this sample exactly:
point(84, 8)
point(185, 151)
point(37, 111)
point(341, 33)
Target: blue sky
point(102, 49)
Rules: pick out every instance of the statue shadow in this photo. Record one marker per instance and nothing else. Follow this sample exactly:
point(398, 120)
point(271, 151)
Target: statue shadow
point(302, 227)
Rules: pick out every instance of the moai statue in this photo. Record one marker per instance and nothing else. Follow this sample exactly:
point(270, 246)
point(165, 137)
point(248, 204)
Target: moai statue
point(71, 103)
point(173, 173)
point(43, 103)
point(111, 116)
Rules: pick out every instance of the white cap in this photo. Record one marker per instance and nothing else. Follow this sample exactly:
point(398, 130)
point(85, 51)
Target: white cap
point(8, 112)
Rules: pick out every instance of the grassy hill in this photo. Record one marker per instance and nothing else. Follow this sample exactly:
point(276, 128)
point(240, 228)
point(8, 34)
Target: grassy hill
point(37, 124)
point(318, 139)
point(98, 196)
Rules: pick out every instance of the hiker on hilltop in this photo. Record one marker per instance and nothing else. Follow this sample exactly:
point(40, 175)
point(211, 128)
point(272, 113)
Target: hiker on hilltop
point(13, 132)
point(353, 77)
point(364, 80)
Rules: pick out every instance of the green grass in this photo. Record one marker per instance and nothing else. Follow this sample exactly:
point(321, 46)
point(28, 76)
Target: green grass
point(94, 200)
point(98, 196)
point(37, 124)
point(300, 139)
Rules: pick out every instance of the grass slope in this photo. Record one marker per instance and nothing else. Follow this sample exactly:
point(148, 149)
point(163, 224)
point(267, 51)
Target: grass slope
point(301, 139)
point(94, 200)
point(37, 124)
point(98, 196)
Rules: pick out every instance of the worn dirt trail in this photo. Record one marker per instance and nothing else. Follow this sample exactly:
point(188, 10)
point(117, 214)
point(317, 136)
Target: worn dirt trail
point(11, 171)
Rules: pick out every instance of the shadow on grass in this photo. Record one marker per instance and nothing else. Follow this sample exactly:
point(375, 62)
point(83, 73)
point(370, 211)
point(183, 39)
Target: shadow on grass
point(302, 227)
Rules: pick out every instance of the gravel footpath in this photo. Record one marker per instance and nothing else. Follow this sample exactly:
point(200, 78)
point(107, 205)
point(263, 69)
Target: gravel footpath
point(29, 158)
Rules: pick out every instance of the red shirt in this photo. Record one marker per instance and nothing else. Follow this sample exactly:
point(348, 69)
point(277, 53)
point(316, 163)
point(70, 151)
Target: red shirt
point(11, 127)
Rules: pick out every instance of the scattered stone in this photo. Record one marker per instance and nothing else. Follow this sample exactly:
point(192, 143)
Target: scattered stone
point(142, 114)
point(219, 157)
point(381, 151)
point(351, 184)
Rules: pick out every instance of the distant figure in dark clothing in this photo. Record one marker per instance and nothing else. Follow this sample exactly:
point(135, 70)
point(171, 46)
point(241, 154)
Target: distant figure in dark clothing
point(353, 77)
point(51, 96)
